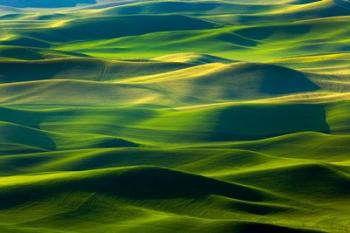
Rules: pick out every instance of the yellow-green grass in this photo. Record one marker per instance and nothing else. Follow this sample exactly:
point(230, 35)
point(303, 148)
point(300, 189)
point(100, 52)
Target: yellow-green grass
point(73, 67)
point(49, 4)
point(175, 116)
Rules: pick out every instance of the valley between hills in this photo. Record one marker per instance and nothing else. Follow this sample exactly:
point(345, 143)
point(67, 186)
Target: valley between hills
point(175, 116)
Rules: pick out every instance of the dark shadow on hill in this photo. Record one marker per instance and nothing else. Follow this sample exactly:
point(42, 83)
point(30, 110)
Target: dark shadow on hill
point(26, 42)
point(21, 53)
point(184, 7)
point(237, 40)
point(310, 180)
point(140, 183)
point(27, 118)
point(16, 137)
point(268, 228)
point(252, 81)
point(297, 2)
point(19, 71)
point(44, 4)
point(119, 26)
point(337, 8)
point(111, 143)
point(77, 68)
point(261, 121)
point(281, 80)
point(264, 32)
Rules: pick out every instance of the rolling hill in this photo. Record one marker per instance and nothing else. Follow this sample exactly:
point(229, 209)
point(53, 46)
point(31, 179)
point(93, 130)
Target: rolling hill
point(174, 116)
point(45, 3)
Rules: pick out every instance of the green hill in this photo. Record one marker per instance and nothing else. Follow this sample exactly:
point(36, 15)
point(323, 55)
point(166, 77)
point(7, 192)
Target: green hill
point(45, 3)
point(174, 116)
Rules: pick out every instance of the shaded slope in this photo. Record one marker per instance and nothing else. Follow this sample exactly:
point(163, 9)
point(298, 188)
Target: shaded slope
point(77, 68)
point(44, 4)
point(192, 58)
point(29, 53)
point(126, 183)
point(219, 81)
point(316, 9)
point(243, 128)
point(75, 92)
point(15, 137)
point(245, 122)
point(26, 41)
point(240, 81)
point(189, 7)
point(311, 180)
point(118, 26)
point(306, 145)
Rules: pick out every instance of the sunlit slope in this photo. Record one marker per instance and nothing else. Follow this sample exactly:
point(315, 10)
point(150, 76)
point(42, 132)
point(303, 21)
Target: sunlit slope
point(45, 3)
point(96, 82)
point(130, 206)
point(251, 42)
point(183, 126)
point(160, 28)
point(190, 198)
point(189, 8)
point(75, 68)
point(118, 26)
point(174, 116)
point(301, 10)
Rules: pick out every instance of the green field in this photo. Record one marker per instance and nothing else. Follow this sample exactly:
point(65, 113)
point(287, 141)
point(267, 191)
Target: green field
point(220, 116)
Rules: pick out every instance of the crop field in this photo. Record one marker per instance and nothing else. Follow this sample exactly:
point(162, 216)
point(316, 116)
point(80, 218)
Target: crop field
point(167, 116)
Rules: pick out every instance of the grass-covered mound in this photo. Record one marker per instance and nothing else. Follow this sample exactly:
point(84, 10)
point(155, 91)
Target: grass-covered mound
point(174, 116)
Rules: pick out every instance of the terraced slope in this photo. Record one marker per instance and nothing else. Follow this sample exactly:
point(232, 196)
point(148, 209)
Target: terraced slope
point(175, 116)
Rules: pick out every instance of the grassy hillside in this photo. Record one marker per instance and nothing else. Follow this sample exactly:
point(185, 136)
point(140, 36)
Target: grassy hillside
point(174, 116)
point(45, 3)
